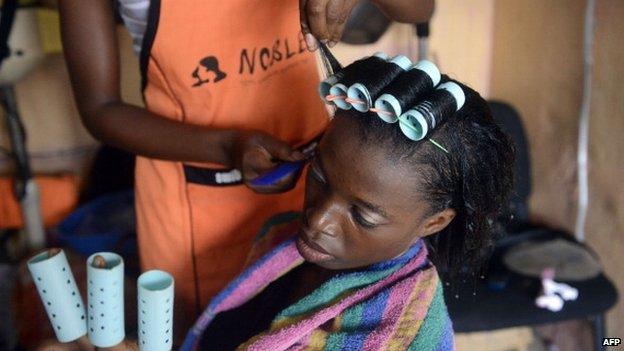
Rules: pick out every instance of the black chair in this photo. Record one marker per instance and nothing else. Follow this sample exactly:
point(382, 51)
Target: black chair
point(504, 299)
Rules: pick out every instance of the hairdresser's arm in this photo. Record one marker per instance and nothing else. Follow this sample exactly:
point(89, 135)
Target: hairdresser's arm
point(325, 20)
point(90, 45)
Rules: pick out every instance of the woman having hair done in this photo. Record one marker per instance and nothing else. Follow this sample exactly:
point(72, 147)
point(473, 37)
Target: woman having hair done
point(351, 271)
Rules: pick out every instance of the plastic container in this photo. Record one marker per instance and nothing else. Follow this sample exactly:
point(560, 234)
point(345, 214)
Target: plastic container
point(104, 224)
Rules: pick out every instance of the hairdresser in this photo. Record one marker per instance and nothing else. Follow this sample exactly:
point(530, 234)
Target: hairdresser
point(229, 92)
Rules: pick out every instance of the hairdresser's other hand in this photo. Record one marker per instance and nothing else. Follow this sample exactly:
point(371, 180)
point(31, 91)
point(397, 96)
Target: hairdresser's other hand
point(255, 153)
point(324, 20)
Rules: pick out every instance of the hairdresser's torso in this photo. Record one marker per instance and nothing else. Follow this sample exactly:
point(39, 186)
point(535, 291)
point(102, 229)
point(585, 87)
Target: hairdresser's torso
point(234, 64)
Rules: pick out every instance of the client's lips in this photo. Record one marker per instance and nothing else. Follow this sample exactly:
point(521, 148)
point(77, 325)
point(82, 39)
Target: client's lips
point(311, 251)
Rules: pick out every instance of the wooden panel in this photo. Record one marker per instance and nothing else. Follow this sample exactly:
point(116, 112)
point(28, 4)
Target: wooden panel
point(464, 54)
point(537, 66)
point(605, 224)
point(57, 140)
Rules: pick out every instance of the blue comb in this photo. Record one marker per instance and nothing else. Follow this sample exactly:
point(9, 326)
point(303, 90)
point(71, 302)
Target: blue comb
point(279, 173)
point(286, 169)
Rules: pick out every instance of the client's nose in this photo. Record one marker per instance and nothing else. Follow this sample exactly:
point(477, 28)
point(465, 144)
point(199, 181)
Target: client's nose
point(324, 218)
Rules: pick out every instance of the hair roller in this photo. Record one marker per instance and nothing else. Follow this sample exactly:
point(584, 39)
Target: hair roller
point(407, 89)
point(338, 91)
point(325, 86)
point(155, 310)
point(443, 102)
point(60, 296)
point(105, 289)
point(368, 88)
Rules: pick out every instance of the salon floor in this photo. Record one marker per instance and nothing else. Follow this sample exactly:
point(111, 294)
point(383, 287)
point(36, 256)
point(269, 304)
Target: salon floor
point(516, 339)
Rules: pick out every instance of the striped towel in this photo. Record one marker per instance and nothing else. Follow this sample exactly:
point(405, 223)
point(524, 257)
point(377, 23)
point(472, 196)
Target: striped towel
point(392, 305)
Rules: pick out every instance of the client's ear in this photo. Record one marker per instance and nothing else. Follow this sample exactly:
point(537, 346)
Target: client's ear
point(438, 221)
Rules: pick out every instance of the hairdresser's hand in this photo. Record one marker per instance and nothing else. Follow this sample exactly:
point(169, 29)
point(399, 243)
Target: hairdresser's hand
point(324, 20)
point(255, 153)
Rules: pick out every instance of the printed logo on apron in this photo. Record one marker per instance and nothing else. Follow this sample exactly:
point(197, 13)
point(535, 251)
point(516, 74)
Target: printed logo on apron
point(206, 65)
point(252, 60)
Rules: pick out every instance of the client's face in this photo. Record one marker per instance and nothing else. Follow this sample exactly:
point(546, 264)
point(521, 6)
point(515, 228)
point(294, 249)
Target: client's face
point(360, 207)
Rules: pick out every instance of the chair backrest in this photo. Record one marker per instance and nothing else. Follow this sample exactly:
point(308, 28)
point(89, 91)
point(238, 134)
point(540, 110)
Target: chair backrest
point(510, 122)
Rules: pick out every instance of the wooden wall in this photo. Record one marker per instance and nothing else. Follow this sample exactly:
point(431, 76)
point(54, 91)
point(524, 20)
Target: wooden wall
point(537, 66)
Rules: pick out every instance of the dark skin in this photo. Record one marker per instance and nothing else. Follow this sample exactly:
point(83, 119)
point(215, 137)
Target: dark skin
point(92, 55)
point(360, 207)
point(91, 51)
point(325, 20)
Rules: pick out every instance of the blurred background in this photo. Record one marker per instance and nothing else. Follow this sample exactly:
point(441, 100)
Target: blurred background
point(527, 54)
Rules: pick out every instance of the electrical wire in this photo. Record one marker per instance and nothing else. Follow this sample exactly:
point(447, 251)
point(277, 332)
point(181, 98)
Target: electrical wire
point(583, 138)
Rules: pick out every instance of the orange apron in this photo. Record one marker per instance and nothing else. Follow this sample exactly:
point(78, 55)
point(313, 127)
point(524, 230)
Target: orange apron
point(225, 64)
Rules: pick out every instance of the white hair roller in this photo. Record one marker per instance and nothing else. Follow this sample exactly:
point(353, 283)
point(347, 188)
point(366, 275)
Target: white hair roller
point(388, 105)
point(413, 125)
point(431, 69)
point(106, 300)
point(325, 86)
point(340, 89)
point(456, 91)
point(60, 296)
point(155, 311)
point(359, 91)
point(417, 122)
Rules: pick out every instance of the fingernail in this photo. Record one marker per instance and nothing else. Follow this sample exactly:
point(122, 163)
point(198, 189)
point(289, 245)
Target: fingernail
point(332, 43)
point(99, 262)
point(311, 42)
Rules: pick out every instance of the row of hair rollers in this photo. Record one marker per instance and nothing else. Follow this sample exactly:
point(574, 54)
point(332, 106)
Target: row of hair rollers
point(401, 85)
point(103, 321)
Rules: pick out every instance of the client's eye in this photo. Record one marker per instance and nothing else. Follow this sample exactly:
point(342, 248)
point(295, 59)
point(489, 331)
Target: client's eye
point(361, 218)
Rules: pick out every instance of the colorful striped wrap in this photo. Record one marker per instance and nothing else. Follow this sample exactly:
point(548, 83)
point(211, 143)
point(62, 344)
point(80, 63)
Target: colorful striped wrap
point(392, 305)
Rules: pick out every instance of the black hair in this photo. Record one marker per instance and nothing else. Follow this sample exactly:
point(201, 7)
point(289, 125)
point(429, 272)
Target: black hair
point(474, 178)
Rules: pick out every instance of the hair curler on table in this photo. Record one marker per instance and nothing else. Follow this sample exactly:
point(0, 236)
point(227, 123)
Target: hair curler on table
point(155, 311)
point(105, 288)
point(59, 294)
